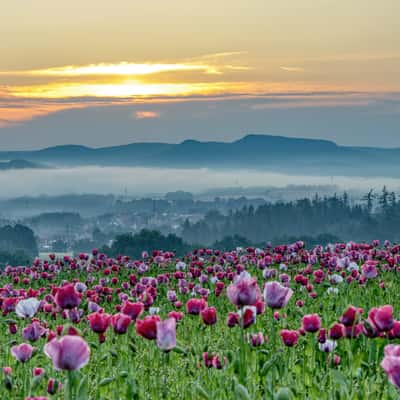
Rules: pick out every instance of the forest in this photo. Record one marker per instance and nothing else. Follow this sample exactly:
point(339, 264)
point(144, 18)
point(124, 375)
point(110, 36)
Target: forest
point(375, 216)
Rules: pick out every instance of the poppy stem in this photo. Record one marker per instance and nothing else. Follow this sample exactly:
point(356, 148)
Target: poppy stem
point(242, 369)
point(273, 345)
point(165, 375)
point(70, 393)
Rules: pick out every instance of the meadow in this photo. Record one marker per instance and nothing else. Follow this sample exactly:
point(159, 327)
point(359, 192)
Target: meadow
point(287, 322)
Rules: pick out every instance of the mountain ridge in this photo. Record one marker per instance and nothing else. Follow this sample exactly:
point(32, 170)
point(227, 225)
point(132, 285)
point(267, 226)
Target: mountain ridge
point(254, 151)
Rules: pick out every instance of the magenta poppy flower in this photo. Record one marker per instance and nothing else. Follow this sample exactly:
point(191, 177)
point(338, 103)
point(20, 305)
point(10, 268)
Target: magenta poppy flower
point(322, 335)
point(248, 314)
point(67, 297)
point(99, 322)
point(22, 352)
point(381, 317)
point(260, 305)
point(132, 309)
point(178, 315)
point(37, 371)
point(351, 315)
point(354, 331)
point(53, 386)
point(217, 362)
point(244, 291)
point(209, 315)
point(289, 338)
point(166, 334)
point(233, 319)
point(276, 295)
point(120, 322)
point(394, 333)
point(195, 306)
point(69, 353)
point(147, 327)
point(207, 359)
point(391, 363)
point(256, 339)
point(311, 323)
point(337, 331)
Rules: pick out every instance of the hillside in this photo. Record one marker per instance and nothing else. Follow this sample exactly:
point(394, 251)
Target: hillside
point(264, 152)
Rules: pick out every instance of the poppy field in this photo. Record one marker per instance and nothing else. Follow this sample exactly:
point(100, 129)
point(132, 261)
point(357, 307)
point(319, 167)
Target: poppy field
point(285, 322)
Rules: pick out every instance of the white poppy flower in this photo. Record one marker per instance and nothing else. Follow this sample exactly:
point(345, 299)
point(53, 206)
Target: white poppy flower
point(27, 308)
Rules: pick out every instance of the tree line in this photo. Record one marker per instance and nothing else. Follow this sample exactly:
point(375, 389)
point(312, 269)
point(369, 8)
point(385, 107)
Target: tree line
point(375, 216)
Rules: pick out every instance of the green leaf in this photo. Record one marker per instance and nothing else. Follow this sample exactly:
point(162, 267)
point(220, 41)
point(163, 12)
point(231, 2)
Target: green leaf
point(132, 347)
point(83, 389)
point(179, 350)
point(241, 393)
point(284, 394)
point(267, 366)
point(132, 389)
point(339, 379)
point(106, 381)
point(113, 353)
point(36, 382)
point(200, 391)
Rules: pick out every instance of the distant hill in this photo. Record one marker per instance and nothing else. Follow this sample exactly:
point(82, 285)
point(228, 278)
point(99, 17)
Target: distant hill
point(20, 164)
point(263, 152)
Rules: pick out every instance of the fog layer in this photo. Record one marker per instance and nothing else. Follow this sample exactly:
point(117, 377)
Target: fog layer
point(147, 181)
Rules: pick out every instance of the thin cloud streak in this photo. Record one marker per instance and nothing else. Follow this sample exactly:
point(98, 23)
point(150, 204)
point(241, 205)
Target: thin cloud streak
point(292, 69)
point(18, 110)
point(146, 114)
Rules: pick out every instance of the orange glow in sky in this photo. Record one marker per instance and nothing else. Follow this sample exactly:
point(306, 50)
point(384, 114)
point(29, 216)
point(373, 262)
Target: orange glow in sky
point(64, 53)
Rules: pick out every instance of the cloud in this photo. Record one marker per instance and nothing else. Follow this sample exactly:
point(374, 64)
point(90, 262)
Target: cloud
point(35, 93)
point(128, 80)
point(146, 114)
point(122, 69)
point(316, 100)
point(292, 69)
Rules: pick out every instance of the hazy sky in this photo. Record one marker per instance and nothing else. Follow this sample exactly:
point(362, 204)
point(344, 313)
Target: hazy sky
point(110, 72)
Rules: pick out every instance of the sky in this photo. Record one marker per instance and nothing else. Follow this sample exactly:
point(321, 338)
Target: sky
point(102, 73)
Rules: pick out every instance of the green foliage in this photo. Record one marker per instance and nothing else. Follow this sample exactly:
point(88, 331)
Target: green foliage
point(232, 242)
point(17, 258)
point(378, 217)
point(133, 244)
point(18, 238)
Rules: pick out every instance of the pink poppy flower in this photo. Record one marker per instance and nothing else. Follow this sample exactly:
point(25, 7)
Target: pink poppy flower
point(166, 334)
point(22, 352)
point(276, 295)
point(69, 353)
point(391, 363)
point(244, 291)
